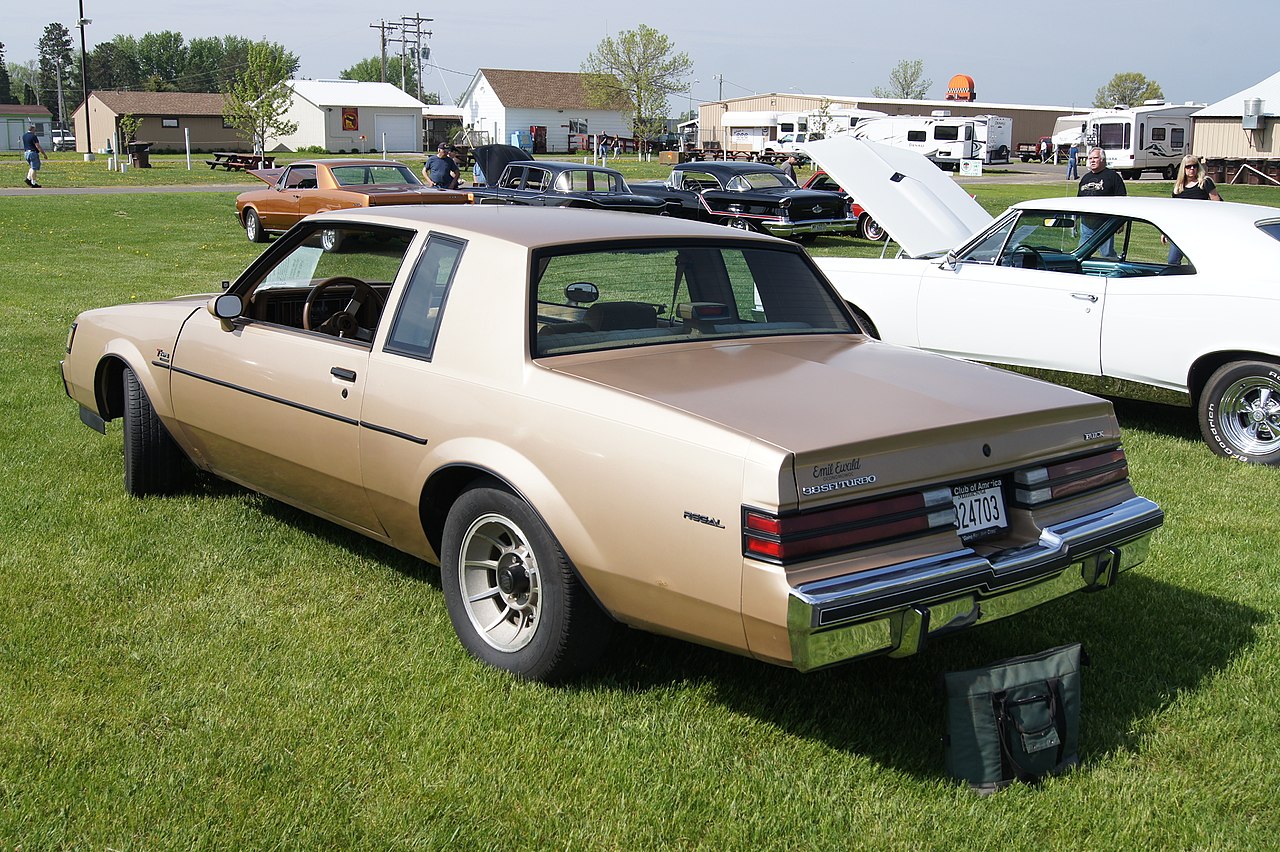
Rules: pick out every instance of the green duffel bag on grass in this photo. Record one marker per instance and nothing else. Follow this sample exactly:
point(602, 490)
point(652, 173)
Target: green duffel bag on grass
point(1014, 720)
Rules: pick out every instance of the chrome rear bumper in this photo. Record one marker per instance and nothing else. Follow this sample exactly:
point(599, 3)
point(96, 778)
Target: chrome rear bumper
point(787, 228)
point(894, 609)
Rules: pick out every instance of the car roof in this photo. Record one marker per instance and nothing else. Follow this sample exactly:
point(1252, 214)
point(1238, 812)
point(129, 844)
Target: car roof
point(560, 166)
point(346, 161)
point(727, 167)
point(539, 226)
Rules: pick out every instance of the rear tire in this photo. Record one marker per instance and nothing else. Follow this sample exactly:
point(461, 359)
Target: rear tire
point(1239, 412)
point(153, 464)
point(253, 227)
point(513, 598)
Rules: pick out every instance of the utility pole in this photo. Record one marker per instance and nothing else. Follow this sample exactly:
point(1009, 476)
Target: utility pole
point(412, 26)
point(84, 86)
point(383, 26)
point(720, 78)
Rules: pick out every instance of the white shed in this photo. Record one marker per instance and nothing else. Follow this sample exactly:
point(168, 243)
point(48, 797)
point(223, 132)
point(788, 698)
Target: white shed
point(545, 109)
point(348, 115)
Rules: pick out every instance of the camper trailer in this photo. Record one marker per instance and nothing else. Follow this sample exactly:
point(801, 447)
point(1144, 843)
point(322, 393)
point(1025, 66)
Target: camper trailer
point(1153, 137)
point(762, 131)
point(943, 138)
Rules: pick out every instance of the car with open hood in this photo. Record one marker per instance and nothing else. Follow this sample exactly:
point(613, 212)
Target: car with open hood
point(587, 417)
point(302, 188)
point(1155, 298)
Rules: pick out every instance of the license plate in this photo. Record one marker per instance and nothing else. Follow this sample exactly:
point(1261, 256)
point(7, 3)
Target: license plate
point(979, 508)
point(818, 226)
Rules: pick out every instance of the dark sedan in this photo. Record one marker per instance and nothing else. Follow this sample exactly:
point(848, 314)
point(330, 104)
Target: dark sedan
point(546, 183)
point(754, 197)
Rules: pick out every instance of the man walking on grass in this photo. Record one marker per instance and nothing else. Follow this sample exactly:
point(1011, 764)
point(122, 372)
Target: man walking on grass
point(32, 152)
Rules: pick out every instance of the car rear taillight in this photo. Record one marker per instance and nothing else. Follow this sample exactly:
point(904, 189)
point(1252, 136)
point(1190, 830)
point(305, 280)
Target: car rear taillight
point(1038, 485)
point(790, 538)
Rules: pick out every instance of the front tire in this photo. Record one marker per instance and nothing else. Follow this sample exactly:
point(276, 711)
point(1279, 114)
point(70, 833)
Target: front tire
point(1239, 412)
point(253, 227)
point(870, 228)
point(514, 601)
point(153, 464)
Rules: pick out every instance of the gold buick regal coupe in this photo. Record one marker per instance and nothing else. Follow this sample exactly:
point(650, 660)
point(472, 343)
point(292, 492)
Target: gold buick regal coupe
point(587, 418)
point(303, 188)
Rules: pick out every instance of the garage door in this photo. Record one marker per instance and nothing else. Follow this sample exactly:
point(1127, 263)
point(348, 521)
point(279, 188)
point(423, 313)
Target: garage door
point(403, 132)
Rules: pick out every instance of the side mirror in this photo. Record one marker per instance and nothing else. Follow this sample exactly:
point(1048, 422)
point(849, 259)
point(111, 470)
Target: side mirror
point(226, 307)
point(582, 292)
point(950, 261)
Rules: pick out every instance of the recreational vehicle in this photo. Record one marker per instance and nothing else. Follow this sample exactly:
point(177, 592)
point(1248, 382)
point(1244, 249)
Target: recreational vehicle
point(787, 131)
point(945, 139)
point(1153, 137)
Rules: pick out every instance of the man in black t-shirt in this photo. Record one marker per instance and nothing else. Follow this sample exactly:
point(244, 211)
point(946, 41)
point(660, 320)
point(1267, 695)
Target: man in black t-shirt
point(1099, 180)
point(32, 152)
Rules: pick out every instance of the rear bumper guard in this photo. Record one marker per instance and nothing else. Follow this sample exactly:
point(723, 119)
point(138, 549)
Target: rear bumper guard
point(893, 610)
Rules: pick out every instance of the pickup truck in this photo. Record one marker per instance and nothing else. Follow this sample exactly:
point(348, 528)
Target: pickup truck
point(753, 197)
point(63, 140)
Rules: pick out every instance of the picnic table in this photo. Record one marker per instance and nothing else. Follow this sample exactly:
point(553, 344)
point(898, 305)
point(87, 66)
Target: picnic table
point(239, 161)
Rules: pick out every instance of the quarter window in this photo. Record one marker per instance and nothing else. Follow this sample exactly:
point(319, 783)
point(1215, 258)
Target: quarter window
point(418, 317)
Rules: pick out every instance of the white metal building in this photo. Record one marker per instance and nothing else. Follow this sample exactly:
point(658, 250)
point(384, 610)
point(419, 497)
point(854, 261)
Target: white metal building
point(547, 109)
point(347, 115)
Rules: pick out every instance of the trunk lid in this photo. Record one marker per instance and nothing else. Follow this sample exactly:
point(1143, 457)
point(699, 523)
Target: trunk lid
point(879, 416)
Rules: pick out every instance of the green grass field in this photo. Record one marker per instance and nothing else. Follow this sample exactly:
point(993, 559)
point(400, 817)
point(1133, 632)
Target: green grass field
point(220, 671)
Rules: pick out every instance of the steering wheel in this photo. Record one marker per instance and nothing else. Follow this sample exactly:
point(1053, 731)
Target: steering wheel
point(1031, 259)
point(343, 322)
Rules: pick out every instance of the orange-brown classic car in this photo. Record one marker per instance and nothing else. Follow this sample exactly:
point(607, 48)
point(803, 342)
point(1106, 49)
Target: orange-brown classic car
point(590, 417)
point(302, 188)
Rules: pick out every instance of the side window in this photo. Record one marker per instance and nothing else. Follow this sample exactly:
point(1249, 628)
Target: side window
point(413, 332)
point(1157, 134)
point(987, 249)
point(1177, 137)
point(301, 177)
point(915, 136)
point(536, 179)
point(515, 174)
point(1144, 243)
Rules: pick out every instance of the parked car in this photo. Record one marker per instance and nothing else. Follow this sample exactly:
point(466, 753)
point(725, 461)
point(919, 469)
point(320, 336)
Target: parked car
point(584, 416)
point(752, 197)
point(868, 227)
point(545, 183)
point(63, 140)
point(302, 188)
point(1081, 286)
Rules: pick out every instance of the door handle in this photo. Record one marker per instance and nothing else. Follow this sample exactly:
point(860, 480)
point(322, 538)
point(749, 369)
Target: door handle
point(1088, 297)
point(343, 374)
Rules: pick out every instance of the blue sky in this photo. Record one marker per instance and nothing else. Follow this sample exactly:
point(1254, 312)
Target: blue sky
point(1024, 55)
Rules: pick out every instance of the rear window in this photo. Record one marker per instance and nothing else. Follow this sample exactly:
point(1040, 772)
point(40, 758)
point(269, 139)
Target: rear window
point(1271, 229)
point(649, 296)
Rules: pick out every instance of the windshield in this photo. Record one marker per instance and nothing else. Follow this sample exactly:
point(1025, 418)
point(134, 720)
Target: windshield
point(658, 295)
point(374, 174)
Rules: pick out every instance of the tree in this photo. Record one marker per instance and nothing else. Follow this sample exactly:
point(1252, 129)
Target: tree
point(370, 71)
point(6, 87)
point(905, 81)
point(256, 102)
point(635, 73)
point(113, 65)
point(162, 59)
point(1127, 87)
point(55, 66)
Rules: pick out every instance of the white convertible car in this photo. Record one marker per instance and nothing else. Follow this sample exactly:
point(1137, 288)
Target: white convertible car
point(1085, 286)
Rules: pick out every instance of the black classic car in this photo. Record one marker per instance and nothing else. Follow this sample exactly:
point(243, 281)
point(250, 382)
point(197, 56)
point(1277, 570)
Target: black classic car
point(753, 197)
point(546, 183)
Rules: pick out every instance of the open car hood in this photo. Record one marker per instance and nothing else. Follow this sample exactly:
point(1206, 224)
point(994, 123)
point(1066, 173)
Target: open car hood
point(268, 176)
point(918, 204)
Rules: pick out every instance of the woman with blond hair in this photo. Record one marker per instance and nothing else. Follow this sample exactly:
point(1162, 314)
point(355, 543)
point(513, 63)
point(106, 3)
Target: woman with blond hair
point(1192, 183)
